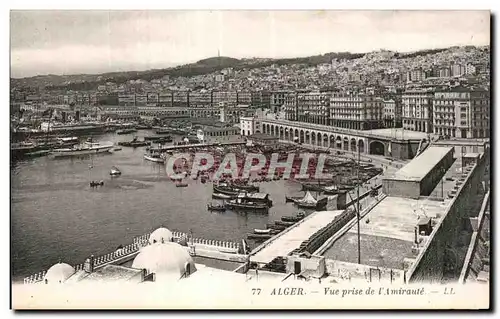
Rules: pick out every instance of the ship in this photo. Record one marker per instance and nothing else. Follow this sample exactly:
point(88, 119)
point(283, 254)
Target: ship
point(89, 147)
point(134, 143)
point(126, 131)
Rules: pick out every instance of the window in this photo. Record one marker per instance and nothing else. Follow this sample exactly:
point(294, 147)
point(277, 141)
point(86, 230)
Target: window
point(463, 115)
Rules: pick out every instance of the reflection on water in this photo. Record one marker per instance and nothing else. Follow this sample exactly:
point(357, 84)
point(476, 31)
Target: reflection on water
point(56, 215)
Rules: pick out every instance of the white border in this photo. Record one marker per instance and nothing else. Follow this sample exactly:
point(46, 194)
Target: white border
point(127, 4)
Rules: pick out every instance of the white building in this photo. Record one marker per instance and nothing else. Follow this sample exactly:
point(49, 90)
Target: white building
point(249, 126)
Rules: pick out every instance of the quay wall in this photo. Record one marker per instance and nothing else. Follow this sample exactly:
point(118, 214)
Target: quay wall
point(480, 234)
point(431, 264)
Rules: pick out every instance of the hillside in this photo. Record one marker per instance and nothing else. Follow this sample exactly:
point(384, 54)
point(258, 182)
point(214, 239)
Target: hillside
point(205, 66)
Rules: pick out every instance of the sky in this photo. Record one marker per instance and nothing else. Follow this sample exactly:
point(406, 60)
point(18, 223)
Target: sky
point(72, 42)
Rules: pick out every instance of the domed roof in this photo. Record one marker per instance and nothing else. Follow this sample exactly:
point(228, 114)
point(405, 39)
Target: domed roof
point(59, 273)
point(161, 235)
point(167, 259)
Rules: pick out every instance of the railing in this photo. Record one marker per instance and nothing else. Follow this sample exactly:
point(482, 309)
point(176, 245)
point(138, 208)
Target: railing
point(141, 241)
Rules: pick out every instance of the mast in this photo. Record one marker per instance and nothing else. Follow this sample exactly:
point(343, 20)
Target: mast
point(357, 206)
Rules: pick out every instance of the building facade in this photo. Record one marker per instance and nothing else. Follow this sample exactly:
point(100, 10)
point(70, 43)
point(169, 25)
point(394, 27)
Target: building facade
point(417, 110)
point(249, 125)
point(313, 107)
point(356, 111)
point(461, 113)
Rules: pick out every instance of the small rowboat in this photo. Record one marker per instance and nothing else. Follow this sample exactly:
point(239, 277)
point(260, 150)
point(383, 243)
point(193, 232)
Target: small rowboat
point(262, 231)
point(260, 237)
point(221, 196)
point(181, 185)
point(219, 208)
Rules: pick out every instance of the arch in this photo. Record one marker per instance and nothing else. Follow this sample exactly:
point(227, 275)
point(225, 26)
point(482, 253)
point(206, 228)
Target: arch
point(345, 144)
point(296, 135)
point(332, 141)
point(308, 137)
point(272, 130)
point(301, 137)
point(361, 145)
point(319, 139)
point(282, 133)
point(377, 148)
point(312, 141)
point(338, 142)
point(326, 140)
point(353, 145)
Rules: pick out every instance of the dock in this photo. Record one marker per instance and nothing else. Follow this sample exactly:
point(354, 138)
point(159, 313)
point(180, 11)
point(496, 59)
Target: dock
point(291, 239)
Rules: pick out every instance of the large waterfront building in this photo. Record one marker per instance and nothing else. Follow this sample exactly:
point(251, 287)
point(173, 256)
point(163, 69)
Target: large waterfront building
point(417, 110)
point(461, 113)
point(356, 111)
point(313, 107)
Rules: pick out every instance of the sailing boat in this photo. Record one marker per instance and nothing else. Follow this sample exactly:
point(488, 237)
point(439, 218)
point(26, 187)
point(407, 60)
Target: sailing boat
point(93, 183)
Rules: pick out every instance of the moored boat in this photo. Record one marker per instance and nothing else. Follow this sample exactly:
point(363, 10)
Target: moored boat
point(126, 131)
point(181, 184)
point(262, 231)
point(134, 143)
point(154, 158)
point(89, 147)
point(282, 223)
point(259, 236)
point(213, 207)
point(221, 196)
point(246, 205)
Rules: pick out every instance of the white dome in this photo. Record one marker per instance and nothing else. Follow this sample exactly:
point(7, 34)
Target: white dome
point(59, 273)
point(161, 235)
point(168, 259)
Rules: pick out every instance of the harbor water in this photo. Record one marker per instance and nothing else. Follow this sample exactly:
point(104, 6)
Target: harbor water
point(56, 216)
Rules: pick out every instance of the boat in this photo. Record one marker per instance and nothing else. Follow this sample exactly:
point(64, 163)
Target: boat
point(259, 236)
point(126, 131)
point(276, 227)
point(134, 143)
point(293, 218)
point(256, 197)
point(246, 205)
point(96, 183)
point(219, 208)
point(308, 201)
point(115, 171)
point(262, 231)
point(161, 131)
point(89, 147)
point(38, 153)
point(282, 223)
point(143, 127)
point(159, 139)
point(157, 158)
point(181, 184)
point(290, 199)
point(68, 141)
point(117, 149)
point(221, 196)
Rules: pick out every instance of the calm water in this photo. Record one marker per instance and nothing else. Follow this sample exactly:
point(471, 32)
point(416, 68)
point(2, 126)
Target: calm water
point(55, 215)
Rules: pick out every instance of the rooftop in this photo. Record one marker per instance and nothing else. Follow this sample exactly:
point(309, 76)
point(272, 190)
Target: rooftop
point(386, 233)
point(263, 136)
point(397, 133)
point(291, 239)
point(420, 166)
